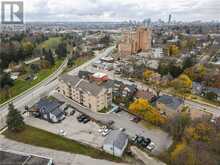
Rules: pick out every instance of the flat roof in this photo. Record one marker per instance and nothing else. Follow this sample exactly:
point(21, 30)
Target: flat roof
point(10, 157)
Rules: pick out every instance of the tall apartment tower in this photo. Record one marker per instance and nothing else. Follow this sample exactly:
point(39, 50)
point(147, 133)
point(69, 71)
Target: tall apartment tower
point(170, 19)
point(135, 41)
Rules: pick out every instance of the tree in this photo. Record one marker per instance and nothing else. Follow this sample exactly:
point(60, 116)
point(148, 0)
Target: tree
point(15, 121)
point(178, 124)
point(148, 74)
point(183, 83)
point(196, 73)
point(173, 50)
point(27, 48)
point(142, 108)
point(5, 80)
point(49, 57)
point(188, 62)
point(201, 131)
point(61, 50)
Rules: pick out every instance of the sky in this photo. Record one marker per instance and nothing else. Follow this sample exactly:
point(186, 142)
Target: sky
point(120, 10)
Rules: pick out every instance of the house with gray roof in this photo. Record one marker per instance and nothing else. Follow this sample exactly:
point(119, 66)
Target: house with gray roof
point(169, 105)
point(115, 143)
point(90, 94)
point(49, 110)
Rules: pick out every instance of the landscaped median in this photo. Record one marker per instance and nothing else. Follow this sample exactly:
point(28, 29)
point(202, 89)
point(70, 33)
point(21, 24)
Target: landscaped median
point(41, 138)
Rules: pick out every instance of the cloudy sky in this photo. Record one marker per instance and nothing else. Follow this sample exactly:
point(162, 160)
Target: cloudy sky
point(120, 10)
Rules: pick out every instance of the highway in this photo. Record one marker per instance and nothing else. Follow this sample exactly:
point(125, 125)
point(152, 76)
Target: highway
point(32, 95)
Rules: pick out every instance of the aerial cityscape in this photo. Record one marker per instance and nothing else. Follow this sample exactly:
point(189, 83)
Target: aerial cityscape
point(110, 82)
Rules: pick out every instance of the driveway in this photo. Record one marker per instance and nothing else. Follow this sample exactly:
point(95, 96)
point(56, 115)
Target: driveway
point(159, 137)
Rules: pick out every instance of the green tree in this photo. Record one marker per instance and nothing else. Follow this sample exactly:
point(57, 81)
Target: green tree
point(61, 50)
point(15, 121)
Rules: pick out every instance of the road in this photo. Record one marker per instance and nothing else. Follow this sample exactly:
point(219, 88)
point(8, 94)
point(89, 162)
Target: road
point(32, 95)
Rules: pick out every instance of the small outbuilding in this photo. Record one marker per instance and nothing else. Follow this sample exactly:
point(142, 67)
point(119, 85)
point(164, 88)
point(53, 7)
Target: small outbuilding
point(115, 143)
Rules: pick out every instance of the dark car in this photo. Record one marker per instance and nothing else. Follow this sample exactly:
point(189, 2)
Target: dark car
point(136, 119)
point(117, 110)
point(81, 118)
point(86, 120)
point(145, 142)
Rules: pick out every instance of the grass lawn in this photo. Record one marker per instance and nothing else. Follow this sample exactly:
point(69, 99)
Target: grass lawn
point(38, 137)
point(79, 61)
point(51, 43)
point(20, 85)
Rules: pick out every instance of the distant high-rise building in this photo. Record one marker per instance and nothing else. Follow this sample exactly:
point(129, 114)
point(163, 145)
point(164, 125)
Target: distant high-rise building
point(170, 19)
point(135, 41)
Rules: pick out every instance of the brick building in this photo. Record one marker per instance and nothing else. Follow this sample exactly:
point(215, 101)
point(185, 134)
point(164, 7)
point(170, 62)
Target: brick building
point(135, 41)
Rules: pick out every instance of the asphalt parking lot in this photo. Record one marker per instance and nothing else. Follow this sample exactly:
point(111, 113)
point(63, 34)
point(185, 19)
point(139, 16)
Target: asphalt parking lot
point(122, 120)
point(85, 133)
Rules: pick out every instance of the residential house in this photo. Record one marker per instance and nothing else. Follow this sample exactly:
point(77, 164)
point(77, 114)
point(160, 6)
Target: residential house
point(115, 143)
point(49, 110)
point(145, 94)
point(169, 105)
point(129, 90)
point(89, 93)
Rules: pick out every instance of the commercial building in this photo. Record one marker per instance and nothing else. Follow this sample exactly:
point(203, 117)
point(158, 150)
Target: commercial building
point(135, 41)
point(89, 93)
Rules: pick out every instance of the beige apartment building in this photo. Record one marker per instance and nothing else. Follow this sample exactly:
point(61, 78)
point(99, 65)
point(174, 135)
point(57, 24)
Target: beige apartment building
point(135, 41)
point(87, 93)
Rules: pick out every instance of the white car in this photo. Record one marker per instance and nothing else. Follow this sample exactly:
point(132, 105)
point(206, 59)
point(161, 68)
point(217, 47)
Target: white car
point(62, 132)
point(101, 129)
point(106, 132)
point(151, 146)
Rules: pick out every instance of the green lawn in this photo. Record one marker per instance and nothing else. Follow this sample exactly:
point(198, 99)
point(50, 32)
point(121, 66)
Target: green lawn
point(79, 61)
point(51, 43)
point(20, 85)
point(38, 137)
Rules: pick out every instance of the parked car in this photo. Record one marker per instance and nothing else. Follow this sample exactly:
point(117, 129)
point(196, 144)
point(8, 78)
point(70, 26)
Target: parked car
point(102, 129)
point(117, 110)
point(81, 118)
point(151, 146)
point(141, 141)
point(86, 120)
point(106, 132)
point(122, 129)
point(62, 132)
point(135, 119)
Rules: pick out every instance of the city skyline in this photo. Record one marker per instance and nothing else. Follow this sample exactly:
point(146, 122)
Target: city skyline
point(115, 10)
